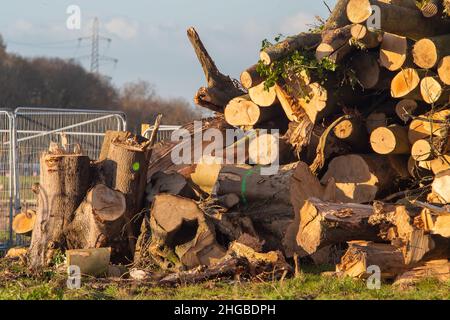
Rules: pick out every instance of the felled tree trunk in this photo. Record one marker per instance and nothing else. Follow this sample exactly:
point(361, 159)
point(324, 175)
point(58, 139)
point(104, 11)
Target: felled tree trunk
point(324, 223)
point(221, 89)
point(125, 170)
point(99, 222)
point(64, 181)
point(436, 269)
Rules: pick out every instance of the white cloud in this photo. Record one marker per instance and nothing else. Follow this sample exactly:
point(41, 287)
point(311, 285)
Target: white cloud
point(122, 28)
point(297, 23)
point(22, 26)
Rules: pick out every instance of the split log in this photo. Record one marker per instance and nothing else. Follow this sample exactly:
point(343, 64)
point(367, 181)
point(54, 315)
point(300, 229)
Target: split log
point(92, 262)
point(367, 38)
point(390, 140)
point(393, 51)
point(436, 269)
point(361, 178)
point(23, 223)
point(414, 25)
point(428, 52)
point(303, 185)
point(181, 234)
point(291, 107)
point(241, 111)
point(437, 224)
point(64, 181)
point(325, 223)
point(362, 254)
point(125, 170)
point(221, 89)
point(302, 41)
point(250, 78)
point(99, 222)
point(263, 97)
point(444, 70)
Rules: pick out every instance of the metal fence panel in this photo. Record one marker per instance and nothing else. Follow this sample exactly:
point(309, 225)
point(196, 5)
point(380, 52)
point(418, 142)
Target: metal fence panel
point(32, 130)
point(6, 182)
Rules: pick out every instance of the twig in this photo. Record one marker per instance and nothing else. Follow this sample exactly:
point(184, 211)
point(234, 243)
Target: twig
point(435, 209)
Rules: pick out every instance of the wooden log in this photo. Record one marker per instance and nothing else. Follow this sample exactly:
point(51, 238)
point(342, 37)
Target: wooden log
point(291, 107)
point(353, 133)
point(414, 25)
point(417, 131)
point(390, 140)
point(338, 16)
point(363, 254)
point(431, 8)
point(125, 170)
point(393, 51)
point(23, 223)
point(263, 97)
point(406, 84)
point(427, 52)
point(436, 269)
point(367, 38)
point(64, 181)
point(368, 71)
point(325, 223)
point(446, 4)
point(376, 120)
point(92, 262)
point(444, 70)
point(361, 178)
point(441, 186)
point(109, 137)
point(250, 78)
point(181, 234)
point(302, 41)
point(435, 223)
point(422, 150)
point(99, 222)
point(171, 183)
point(432, 90)
point(268, 148)
point(335, 44)
point(241, 111)
point(411, 4)
point(436, 123)
point(303, 185)
point(221, 89)
point(406, 108)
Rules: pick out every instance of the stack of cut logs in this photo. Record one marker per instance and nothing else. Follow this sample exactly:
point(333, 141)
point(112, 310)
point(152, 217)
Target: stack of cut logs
point(365, 163)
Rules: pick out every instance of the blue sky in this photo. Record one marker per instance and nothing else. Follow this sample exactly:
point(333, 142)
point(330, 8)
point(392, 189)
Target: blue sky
point(149, 36)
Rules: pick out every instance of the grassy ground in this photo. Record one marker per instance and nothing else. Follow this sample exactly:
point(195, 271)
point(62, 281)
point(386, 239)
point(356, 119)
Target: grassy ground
point(15, 283)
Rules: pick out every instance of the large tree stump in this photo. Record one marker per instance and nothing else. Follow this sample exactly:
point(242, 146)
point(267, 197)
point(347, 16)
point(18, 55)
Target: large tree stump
point(99, 222)
point(64, 181)
point(125, 170)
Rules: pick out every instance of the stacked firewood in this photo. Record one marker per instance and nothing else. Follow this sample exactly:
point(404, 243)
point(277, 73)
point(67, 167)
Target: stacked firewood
point(362, 123)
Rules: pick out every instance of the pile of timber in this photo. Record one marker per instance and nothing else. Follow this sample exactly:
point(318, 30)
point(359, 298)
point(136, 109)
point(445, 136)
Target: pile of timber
point(363, 148)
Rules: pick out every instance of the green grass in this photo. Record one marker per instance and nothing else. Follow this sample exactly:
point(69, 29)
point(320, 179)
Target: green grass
point(15, 283)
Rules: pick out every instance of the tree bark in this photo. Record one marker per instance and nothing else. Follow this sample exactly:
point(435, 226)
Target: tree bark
point(414, 25)
point(394, 51)
point(64, 182)
point(444, 70)
point(302, 41)
point(125, 170)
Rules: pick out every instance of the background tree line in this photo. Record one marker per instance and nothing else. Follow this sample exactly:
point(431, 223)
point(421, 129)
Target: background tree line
point(58, 83)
